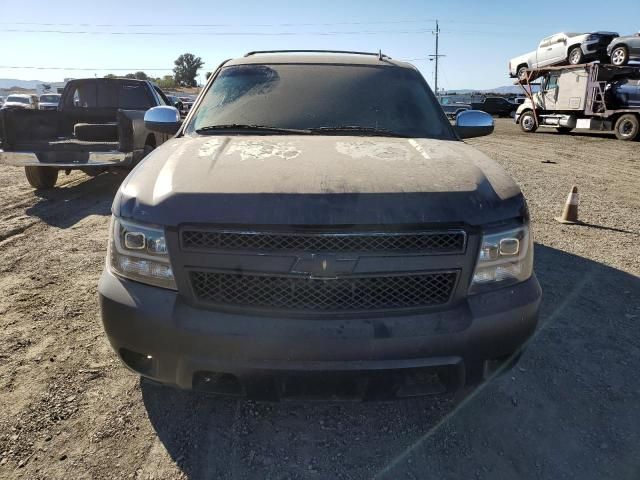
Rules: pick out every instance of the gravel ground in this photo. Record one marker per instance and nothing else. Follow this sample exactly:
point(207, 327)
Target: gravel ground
point(569, 409)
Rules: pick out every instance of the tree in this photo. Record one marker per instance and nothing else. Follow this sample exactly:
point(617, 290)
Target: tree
point(141, 76)
point(110, 75)
point(166, 82)
point(130, 75)
point(186, 69)
point(207, 75)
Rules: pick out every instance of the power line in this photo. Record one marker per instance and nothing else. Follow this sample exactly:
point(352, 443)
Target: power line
point(222, 34)
point(136, 69)
point(216, 25)
point(122, 69)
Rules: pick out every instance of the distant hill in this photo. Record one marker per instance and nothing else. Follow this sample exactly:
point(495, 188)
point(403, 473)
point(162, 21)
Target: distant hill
point(504, 90)
point(6, 83)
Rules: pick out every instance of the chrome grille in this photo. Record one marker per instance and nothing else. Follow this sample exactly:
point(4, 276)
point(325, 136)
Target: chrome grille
point(346, 294)
point(448, 242)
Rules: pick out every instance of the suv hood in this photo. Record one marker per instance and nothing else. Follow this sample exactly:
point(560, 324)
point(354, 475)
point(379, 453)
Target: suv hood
point(317, 180)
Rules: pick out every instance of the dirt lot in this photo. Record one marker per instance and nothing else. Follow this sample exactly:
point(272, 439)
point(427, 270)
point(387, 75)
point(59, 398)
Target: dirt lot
point(569, 410)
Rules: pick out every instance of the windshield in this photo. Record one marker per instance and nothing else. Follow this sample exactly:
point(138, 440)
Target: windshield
point(310, 96)
point(49, 98)
point(16, 99)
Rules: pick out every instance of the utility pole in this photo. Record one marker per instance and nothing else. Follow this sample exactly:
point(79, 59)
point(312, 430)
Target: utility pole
point(437, 56)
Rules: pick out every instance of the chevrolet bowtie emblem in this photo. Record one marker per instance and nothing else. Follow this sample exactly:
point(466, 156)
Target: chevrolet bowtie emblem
point(324, 265)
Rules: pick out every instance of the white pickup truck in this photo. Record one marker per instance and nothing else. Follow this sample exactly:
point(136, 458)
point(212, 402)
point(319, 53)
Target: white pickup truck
point(561, 49)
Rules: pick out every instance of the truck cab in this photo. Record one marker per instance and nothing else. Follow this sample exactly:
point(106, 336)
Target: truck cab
point(592, 96)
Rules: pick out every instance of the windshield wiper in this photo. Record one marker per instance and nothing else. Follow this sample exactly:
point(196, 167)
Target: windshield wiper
point(260, 128)
point(359, 129)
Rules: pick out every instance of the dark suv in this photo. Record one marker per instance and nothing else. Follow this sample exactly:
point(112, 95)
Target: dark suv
point(316, 227)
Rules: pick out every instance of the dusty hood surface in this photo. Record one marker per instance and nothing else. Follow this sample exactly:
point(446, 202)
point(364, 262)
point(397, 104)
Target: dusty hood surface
point(312, 180)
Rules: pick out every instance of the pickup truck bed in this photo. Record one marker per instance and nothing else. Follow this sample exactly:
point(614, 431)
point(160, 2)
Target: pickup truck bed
point(99, 124)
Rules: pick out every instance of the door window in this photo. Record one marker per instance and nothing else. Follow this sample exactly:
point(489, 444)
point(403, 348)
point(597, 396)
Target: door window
point(545, 42)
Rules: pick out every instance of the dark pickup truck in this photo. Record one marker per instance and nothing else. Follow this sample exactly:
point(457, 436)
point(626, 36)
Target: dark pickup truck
point(99, 124)
point(498, 106)
point(318, 228)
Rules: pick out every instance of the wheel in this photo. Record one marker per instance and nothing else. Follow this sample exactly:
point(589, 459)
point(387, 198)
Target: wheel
point(147, 150)
point(522, 72)
point(564, 129)
point(528, 122)
point(41, 177)
point(627, 127)
point(575, 56)
point(619, 56)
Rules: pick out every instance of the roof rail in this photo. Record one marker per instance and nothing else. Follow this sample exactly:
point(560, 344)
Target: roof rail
point(379, 54)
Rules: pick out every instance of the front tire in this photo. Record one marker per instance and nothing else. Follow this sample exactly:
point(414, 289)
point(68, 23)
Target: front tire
point(575, 56)
point(528, 122)
point(619, 56)
point(41, 178)
point(627, 127)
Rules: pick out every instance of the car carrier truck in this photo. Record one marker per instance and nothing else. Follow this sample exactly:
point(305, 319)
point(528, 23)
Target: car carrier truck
point(592, 97)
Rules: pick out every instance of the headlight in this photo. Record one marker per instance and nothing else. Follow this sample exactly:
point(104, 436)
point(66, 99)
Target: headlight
point(139, 252)
point(505, 257)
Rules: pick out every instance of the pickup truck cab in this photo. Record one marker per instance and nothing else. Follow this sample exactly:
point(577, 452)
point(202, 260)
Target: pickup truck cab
point(317, 227)
point(98, 124)
point(594, 96)
point(561, 49)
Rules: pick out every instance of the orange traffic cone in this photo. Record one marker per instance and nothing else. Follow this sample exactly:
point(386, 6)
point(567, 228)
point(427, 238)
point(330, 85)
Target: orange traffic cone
point(570, 210)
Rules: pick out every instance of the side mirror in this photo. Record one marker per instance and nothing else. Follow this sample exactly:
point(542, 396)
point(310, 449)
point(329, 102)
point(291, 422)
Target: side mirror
point(474, 123)
point(162, 119)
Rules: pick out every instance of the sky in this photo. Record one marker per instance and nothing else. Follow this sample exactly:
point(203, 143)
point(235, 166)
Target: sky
point(74, 39)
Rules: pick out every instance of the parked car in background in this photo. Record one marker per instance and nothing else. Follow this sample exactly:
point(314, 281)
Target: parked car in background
point(280, 239)
point(562, 49)
point(19, 101)
point(188, 103)
point(624, 93)
point(176, 102)
point(623, 49)
point(498, 106)
point(48, 101)
point(451, 108)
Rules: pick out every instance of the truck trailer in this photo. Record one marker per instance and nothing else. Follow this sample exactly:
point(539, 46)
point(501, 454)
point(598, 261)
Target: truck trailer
point(590, 97)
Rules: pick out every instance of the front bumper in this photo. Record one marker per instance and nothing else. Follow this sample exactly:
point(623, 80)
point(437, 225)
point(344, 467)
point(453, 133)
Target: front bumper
point(157, 334)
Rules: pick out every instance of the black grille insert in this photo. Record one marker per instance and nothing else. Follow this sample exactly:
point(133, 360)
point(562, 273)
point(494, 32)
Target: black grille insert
point(427, 242)
point(323, 295)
